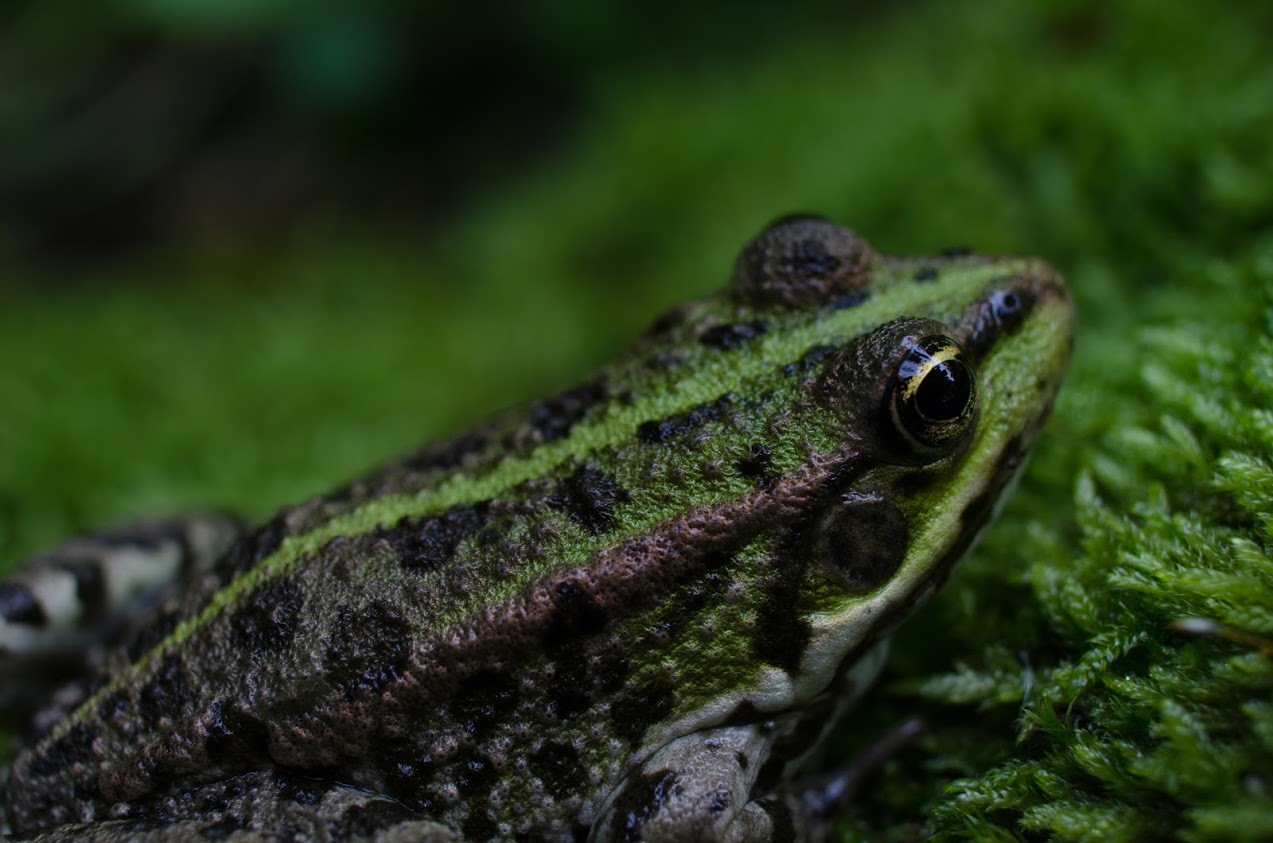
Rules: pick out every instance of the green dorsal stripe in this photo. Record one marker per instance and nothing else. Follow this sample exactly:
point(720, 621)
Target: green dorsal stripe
point(714, 373)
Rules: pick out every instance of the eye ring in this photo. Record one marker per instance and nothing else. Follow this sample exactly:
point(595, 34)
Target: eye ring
point(933, 399)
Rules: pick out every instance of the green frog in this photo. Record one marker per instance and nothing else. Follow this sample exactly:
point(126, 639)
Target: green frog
point(631, 611)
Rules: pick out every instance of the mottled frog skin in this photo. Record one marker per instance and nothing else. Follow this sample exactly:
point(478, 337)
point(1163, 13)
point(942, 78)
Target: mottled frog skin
point(628, 612)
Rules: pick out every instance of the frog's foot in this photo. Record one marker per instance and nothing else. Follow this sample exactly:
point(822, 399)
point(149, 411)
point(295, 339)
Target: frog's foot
point(703, 787)
point(91, 591)
point(260, 806)
point(699, 787)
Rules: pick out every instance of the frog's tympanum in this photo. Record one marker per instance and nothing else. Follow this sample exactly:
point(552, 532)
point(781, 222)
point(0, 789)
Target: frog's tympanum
point(631, 611)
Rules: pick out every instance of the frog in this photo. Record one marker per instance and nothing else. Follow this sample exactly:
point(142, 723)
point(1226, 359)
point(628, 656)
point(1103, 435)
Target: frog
point(633, 610)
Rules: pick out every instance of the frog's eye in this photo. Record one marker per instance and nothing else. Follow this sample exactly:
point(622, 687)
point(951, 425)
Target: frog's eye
point(934, 396)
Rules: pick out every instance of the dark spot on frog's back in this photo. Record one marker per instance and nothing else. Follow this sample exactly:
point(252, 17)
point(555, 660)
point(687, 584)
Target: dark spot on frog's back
point(165, 692)
point(575, 615)
point(801, 261)
point(554, 418)
point(445, 456)
point(755, 466)
point(647, 702)
point(149, 636)
point(253, 547)
point(810, 361)
point(483, 700)
point(369, 648)
point(222, 829)
point(780, 635)
point(556, 764)
point(661, 430)
point(422, 544)
point(267, 621)
point(733, 335)
point(73, 748)
point(588, 497)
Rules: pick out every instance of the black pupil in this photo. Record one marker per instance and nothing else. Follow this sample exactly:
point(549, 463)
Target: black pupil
point(944, 391)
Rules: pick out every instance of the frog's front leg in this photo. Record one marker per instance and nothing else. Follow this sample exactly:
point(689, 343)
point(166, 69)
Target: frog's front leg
point(700, 787)
point(60, 605)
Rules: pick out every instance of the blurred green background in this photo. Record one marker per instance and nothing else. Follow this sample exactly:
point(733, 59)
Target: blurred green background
point(250, 248)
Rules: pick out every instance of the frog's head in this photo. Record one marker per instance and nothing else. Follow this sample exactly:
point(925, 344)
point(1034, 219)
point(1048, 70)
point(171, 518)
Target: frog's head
point(938, 375)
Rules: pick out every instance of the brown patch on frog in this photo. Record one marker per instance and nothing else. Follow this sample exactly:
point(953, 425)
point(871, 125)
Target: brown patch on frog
point(801, 261)
point(658, 431)
point(974, 517)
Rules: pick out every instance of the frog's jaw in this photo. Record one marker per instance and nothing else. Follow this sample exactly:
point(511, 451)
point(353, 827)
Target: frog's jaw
point(1019, 372)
